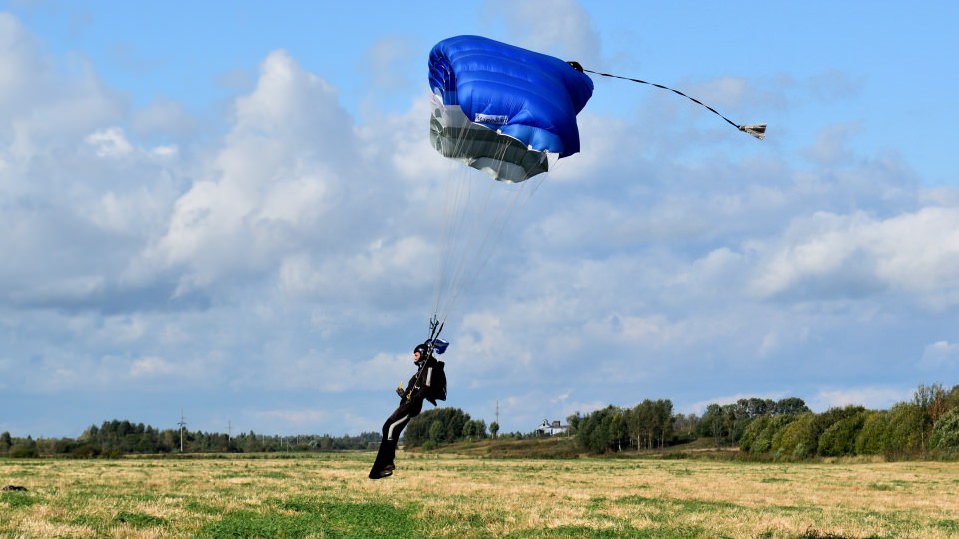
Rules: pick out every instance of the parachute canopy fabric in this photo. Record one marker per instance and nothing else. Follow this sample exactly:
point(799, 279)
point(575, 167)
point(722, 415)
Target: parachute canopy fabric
point(503, 109)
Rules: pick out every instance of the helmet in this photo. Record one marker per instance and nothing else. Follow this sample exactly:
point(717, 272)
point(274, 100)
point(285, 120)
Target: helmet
point(421, 348)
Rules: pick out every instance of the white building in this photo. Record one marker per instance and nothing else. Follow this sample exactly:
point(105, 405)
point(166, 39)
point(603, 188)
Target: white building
point(550, 428)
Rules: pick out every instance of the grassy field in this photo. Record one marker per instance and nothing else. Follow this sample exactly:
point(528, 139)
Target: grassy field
point(452, 496)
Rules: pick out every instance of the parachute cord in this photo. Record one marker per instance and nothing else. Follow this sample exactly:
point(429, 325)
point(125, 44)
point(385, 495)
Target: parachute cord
point(756, 130)
point(472, 223)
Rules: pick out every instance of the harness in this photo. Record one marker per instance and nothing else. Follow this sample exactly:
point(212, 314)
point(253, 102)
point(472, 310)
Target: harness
point(436, 327)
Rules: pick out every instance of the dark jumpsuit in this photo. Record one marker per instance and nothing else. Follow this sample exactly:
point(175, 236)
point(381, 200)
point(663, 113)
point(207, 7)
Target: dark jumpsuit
point(411, 403)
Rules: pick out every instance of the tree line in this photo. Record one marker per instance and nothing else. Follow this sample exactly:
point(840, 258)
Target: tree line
point(784, 429)
point(121, 437)
point(439, 426)
point(781, 429)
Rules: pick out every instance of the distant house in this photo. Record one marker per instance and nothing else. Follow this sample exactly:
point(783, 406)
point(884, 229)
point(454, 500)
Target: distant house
point(550, 428)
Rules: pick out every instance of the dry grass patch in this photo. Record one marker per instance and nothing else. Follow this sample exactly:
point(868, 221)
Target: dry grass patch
point(454, 496)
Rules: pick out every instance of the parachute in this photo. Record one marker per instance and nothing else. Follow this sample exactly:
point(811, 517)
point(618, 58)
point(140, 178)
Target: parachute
point(510, 113)
point(504, 110)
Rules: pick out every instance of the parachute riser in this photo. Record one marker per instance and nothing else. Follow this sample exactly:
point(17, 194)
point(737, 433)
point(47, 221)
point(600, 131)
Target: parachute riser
point(436, 327)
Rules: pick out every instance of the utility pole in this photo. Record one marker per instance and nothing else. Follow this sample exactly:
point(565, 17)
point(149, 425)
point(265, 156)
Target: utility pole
point(229, 430)
point(182, 424)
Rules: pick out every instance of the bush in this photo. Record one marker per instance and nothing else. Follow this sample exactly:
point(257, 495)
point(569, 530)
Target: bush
point(750, 441)
point(903, 432)
point(761, 433)
point(840, 438)
point(945, 434)
point(873, 437)
point(798, 439)
point(24, 452)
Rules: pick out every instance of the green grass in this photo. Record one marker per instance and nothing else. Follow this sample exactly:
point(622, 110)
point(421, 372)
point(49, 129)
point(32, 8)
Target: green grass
point(311, 518)
point(17, 500)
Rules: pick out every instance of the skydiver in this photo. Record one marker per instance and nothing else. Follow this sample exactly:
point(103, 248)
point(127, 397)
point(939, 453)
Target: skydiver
point(411, 403)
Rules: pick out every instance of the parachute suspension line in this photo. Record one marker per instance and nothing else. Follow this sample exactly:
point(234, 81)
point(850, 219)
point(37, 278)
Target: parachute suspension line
point(475, 218)
point(455, 190)
point(456, 196)
point(756, 130)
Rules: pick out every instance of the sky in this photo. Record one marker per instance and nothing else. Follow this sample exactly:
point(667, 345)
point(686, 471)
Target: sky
point(232, 209)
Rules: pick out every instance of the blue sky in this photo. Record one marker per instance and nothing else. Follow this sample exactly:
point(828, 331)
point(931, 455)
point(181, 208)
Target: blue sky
point(232, 208)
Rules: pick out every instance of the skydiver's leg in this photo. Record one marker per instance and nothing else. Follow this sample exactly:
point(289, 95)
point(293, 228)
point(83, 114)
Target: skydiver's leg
point(383, 465)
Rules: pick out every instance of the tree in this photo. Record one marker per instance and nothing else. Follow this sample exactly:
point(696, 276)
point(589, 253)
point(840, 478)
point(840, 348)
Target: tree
point(840, 438)
point(710, 424)
point(663, 411)
point(469, 430)
point(749, 442)
point(603, 430)
point(798, 439)
point(873, 438)
point(684, 426)
point(420, 429)
point(790, 406)
point(494, 429)
point(6, 442)
point(930, 401)
point(830, 417)
point(641, 424)
point(902, 435)
point(436, 431)
point(474, 429)
point(24, 448)
point(765, 434)
point(952, 398)
point(945, 434)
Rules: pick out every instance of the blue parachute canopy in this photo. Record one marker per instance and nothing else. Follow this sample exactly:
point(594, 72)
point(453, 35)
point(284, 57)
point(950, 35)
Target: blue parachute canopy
point(503, 109)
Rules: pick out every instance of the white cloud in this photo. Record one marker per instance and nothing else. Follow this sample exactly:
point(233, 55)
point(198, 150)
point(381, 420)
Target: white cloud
point(913, 253)
point(940, 355)
point(378, 266)
point(302, 242)
point(300, 417)
point(276, 187)
point(877, 398)
point(151, 367)
point(109, 142)
point(831, 146)
point(555, 27)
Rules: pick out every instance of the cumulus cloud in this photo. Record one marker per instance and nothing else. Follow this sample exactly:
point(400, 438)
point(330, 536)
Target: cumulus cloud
point(560, 28)
point(828, 255)
point(287, 164)
point(877, 398)
point(109, 142)
point(290, 260)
